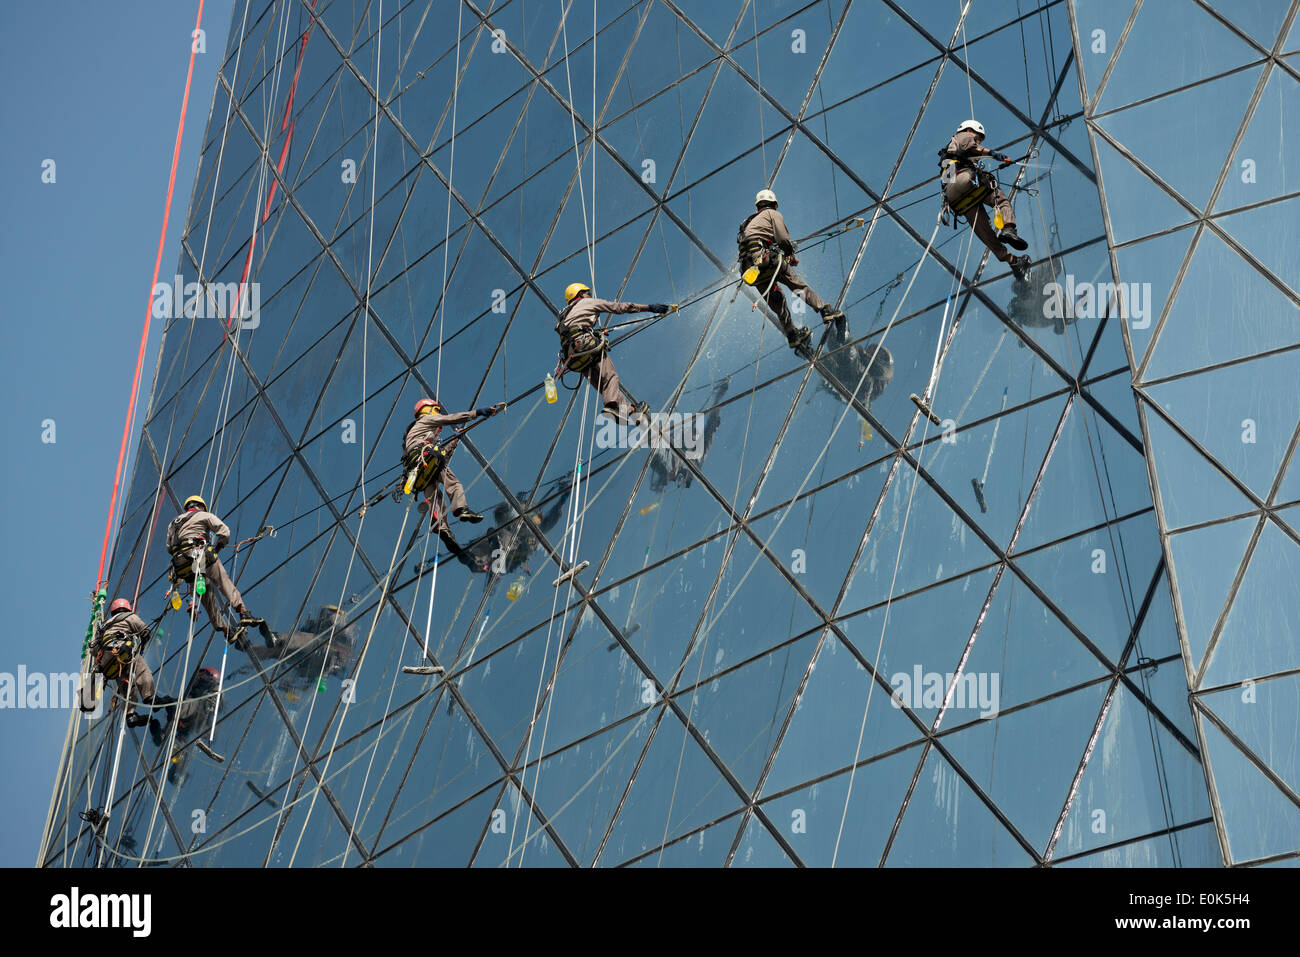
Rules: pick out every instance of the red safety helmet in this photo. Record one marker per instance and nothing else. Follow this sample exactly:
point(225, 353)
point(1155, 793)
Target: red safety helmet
point(427, 403)
point(120, 604)
point(211, 671)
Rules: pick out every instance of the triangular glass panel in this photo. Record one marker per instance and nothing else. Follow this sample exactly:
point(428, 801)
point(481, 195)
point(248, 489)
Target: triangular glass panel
point(759, 849)
point(741, 713)
point(1257, 172)
point(1135, 205)
point(1192, 847)
point(810, 819)
point(1255, 711)
point(1259, 819)
point(1191, 489)
point(1209, 115)
point(676, 789)
point(1270, 235)
point(1249, 424)
point(1156, 58)
point(1205, 561)
point(1102, 22)
point(1251, 315)
point(1138, 780)
point(946, 825)
point(1262, 633)
point(823, 735)
point(938, 543)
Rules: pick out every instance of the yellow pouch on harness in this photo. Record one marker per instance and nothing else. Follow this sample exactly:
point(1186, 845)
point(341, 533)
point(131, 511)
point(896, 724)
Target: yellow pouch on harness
point(431, 460)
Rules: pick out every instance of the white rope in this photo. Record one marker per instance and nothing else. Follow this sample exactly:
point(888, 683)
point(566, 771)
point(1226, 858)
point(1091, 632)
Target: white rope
point(722, 566)
point(573, 528)
point(219, 427)
point(451, 172)
point(370, 246)
point(916, 475)
point(758, 76)
point(379, 611)
point(716, 324)
point(217, 441)
point(961, 25)
point(573, 123)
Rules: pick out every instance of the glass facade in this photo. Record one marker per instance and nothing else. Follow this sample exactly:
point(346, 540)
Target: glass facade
point(835, 632)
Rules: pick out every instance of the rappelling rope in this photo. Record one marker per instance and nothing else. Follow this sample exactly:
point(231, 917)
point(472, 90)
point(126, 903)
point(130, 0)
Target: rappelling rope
point(379, 611)
point(940, 349)
point(572, 530)
point(370, 238)
point(259, 217)
point(451, 172)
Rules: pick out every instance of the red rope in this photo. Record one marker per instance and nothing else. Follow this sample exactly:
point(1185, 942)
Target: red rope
point(144, 334)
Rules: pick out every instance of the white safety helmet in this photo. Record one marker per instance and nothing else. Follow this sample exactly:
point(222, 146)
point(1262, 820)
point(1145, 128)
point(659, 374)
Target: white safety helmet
point(975, 125)
point(765, 196)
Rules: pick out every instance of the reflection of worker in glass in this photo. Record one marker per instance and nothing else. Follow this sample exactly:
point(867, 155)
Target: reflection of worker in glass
point(666, 466)
point(193, 719)
point(321, 649)
point(849, 364)
point(195, 712)
point(1029, 303)
point(507, 549)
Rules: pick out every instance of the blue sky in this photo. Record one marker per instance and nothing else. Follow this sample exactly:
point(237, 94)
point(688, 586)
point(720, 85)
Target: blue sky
point(97, 88)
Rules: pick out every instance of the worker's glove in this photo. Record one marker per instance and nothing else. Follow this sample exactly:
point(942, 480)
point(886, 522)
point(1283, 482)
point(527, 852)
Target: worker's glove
point(792, 259)
point(486, 411)
point(1002, 158)
point(658, 308)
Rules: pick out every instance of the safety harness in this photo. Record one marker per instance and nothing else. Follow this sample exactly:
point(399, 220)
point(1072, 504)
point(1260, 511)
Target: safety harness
point(184, 551)
point(113, 652)
point(950, 164)
point(754, 250)
point(427, 462)
point(579, 347)
point(424, 463)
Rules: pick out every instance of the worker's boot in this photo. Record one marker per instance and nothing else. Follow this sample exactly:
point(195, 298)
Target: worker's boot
point(1020, 266)
point(468, 515)
point(1009, 236)
point(799, 337)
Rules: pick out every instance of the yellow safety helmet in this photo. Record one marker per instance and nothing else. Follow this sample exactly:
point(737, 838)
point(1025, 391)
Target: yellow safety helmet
point(195, 501)
point(573, 289)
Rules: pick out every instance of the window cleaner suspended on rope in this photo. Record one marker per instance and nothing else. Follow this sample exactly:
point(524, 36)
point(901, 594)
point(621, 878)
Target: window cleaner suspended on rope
point(117, 653)
point(584, 348)
point(194, 560)
point(767, 256)
point(425, 459)
point(968, 188)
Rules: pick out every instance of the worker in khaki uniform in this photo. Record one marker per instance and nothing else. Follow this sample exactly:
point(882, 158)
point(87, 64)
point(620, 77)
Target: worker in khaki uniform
point(764, 243)
point(117, 647)
point(420, 448)
point(187, 543)
point(584, 350)
point(964, 179)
